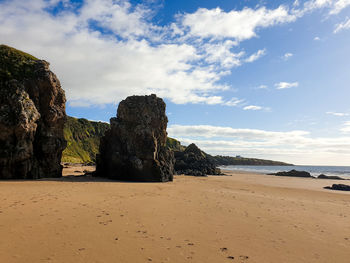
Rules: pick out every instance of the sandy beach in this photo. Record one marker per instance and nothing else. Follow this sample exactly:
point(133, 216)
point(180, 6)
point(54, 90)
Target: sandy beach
point(240, 218)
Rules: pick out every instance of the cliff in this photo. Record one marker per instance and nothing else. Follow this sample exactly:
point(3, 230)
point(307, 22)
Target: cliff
point(32, 117)
point(83, 140)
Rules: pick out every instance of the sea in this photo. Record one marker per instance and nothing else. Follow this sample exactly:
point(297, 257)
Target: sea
point(342, 171)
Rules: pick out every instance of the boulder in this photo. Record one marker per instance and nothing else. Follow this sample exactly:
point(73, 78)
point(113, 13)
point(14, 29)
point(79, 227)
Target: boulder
point(32, 117)
point(331, 177)
point(134, 148)
point(193, 161)
point(294, 173)
point(340, 187)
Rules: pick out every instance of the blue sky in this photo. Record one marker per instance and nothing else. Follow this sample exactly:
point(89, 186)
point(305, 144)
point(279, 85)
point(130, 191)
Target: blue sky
point(266, 79)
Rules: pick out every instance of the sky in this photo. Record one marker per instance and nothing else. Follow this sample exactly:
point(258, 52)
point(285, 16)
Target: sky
point(264, 79)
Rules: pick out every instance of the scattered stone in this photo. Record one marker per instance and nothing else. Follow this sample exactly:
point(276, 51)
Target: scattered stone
point(332, 177)
point(134, 147)
point(231, 257)
point(32, 117)
point(293, 173)
point(340, 187)
point(223, 249)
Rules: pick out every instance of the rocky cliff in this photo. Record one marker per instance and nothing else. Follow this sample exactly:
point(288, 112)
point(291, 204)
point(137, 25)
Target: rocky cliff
point(32, 117)
point(135, 146)
point(83, 140)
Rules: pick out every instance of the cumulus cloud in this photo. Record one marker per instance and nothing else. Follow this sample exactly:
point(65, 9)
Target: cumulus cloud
point(105, 50)
point(239, 25)
point(317, 38)
point(342, 26)
point(289, 146)
point(286, 85)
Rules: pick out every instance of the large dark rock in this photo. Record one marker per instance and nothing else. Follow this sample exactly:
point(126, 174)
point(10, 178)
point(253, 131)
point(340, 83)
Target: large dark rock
point(193, 161)
point(331, 177)
point(134, 148)
point(32, 117)
point(340, 187)
point(294, 173)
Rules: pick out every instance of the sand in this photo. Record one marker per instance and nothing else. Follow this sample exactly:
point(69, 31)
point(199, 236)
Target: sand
point(241, 218)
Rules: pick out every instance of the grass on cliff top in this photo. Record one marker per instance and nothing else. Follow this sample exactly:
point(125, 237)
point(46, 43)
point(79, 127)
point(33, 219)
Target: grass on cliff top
point(83, 139)
point(15, 64)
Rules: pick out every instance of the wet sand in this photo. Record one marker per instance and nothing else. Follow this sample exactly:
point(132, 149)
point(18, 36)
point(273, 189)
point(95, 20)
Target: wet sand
point(240, 218)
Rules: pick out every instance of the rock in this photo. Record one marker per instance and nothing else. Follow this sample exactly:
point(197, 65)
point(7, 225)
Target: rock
point(193, 161)
point(32, 117)
point(340, 187)
point(134, 148)
point(332, 177)
point(294, 173)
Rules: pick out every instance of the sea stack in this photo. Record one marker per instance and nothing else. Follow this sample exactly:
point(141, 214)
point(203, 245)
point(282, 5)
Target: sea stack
point(32, 117)
point(134, 148)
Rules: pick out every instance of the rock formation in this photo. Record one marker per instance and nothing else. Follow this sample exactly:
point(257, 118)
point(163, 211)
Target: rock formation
point(331, 177)
point(340, 187)
point(294, 173)
point(134, 148)
point(192, 161)
point(32, 117)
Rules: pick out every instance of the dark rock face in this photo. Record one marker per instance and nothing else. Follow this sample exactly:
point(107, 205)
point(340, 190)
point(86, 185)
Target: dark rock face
point(32, 117)
point(294, 173)
point(332, 177)
point(134, 148)
point(192, 161)
point(340, 187)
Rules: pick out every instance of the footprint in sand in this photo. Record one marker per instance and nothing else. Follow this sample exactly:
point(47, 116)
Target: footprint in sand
point(223, 249)
point(231, 257)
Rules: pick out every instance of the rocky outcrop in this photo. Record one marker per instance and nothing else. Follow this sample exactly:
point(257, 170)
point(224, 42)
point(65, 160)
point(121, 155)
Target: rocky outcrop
point(340, 187)
point(293, 173)
point(193, 161)
point(134, 148)
point(32, 117)
point(331, 177)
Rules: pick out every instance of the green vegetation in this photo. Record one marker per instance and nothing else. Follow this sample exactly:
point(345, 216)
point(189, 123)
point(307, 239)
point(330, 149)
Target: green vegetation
point(83, 140)
point(15, 64)
point(174, 145)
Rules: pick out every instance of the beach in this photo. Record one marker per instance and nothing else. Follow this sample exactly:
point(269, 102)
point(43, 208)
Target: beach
point(240, 218)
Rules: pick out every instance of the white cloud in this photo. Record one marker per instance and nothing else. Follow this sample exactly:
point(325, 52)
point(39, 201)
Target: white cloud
point(286, 85)
point(262, 87)
point(334, 6)
point(288, 55)
point(346, 127)
point(317, 38)
point(289, 146)
point(256, 56)
point(339, 5)
point(252, 107)
point(108, 49)
point(239, 25)
point(234, 102)
point(342, 26)
point(338, 114)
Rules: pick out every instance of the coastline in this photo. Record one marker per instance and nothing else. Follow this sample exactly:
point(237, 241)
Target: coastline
point(251, 217)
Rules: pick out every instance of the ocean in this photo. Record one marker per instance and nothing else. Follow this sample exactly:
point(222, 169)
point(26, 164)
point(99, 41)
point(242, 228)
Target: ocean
point(342, 171)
